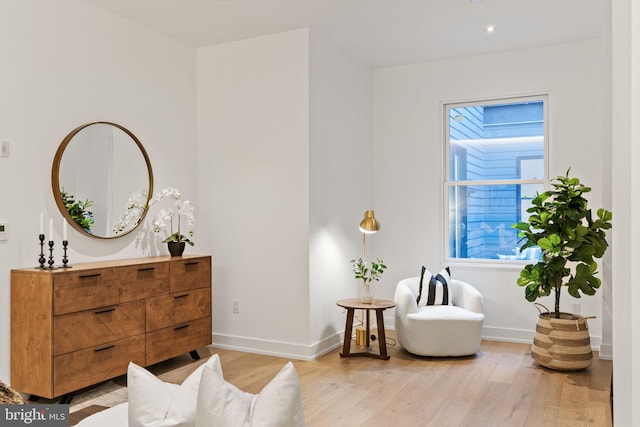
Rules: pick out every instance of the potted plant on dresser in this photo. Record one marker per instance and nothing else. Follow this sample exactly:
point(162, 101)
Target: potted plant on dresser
point(175, 240)
point(570, 240)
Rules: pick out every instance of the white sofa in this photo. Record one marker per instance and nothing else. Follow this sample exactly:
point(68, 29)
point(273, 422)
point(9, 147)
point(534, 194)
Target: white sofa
point(439, 330)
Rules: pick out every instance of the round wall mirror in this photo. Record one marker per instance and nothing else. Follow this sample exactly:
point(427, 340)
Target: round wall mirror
point(102, 180)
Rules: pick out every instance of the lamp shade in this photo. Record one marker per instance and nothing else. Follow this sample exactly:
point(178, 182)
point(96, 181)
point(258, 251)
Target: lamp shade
point(369, 224)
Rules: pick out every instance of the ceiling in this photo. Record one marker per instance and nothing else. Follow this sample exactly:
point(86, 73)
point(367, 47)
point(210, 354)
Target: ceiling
point(379, 32)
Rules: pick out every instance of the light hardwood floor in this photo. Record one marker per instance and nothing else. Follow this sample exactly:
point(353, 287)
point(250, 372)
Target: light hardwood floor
point(500, 386)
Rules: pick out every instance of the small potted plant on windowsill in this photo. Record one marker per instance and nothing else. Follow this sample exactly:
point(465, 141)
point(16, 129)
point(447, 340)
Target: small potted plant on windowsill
point(175, 240)
point(563, 227)
point(367, 274)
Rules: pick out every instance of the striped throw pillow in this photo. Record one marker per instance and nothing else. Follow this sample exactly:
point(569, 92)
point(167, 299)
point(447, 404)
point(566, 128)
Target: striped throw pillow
point(434, 290)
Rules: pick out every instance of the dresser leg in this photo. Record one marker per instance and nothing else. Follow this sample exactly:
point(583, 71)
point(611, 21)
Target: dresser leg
point(66, 399)
point(194, 354)
point(34, 398)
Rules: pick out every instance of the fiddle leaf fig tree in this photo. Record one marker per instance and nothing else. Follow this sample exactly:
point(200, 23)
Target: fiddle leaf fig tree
point(570, 239)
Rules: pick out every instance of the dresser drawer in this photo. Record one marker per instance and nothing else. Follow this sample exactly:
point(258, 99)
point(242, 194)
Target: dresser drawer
point(169, 342)
point(171, 310)
point(73, 371)
point(190, 273)
point(84, 290)
point(143, 281)
point(91, 328)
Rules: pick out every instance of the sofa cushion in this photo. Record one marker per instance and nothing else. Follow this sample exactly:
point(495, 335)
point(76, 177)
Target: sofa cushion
point(445, 314)
point(223, 404)
point(155, 403)
point(434, 290)
point(115, 416)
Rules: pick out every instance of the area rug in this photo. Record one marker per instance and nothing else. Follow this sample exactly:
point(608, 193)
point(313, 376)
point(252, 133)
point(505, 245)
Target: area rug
point(106, 394)
point(9, 396)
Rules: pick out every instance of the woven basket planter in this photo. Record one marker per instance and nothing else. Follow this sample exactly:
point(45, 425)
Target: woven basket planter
point(562, 344)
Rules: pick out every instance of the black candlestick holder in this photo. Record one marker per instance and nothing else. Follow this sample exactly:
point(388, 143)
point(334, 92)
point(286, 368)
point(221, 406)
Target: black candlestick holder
point(42, 259)
point(65, 260)
point(51, 261)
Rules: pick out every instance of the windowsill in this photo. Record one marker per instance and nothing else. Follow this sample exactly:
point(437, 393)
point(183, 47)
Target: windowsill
point(488, 263)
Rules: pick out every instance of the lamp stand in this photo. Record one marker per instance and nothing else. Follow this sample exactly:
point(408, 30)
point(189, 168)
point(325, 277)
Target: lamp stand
point(361, 333)
point(364, 244)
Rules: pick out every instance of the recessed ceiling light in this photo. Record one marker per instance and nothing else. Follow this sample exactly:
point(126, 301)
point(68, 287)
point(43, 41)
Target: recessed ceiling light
point(490, 28)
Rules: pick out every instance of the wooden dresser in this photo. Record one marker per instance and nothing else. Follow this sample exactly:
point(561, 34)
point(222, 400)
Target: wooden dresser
point(75, 327)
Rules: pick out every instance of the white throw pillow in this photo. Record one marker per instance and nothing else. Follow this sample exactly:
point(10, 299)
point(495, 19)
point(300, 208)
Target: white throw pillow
point(221, 404)
point(155, 403)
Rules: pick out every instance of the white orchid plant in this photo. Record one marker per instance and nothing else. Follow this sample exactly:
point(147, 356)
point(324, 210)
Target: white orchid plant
point(132, 213)
point(182, 210)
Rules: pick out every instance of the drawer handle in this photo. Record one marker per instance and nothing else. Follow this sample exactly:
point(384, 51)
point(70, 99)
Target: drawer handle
point(106, 310)
point(106, 347)
point(177, 328)
point(146, 269)
point(87, 276)
point(181, 296)
point(191, 263)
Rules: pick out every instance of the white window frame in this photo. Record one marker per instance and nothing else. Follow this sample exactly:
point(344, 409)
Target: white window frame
point(447, 184)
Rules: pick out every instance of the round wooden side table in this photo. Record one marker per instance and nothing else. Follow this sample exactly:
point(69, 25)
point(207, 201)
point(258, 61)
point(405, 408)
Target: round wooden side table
point(353, 304)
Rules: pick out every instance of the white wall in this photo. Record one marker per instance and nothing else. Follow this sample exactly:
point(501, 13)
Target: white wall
point(626, 202)
point(66, 63)
point(253, 174)
point(408, 160)
point(284, 166)
point(340, 182)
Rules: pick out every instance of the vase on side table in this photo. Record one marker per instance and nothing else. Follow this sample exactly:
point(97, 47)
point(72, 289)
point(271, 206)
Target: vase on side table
point(366, 293)
point(176, 248)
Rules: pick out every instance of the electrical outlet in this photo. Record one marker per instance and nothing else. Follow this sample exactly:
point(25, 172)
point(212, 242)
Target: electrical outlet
point(4, 148)
point(235, 306)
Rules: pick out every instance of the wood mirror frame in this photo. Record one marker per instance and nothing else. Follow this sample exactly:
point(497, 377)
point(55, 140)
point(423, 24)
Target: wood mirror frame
point(122, 202)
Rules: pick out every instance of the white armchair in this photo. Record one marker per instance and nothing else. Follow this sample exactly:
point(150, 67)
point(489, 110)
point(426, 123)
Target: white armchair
point(439, 330)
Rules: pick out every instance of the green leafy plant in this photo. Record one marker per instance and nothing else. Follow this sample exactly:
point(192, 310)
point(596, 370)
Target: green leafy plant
point(367, 275)
point(570, 239)
point(78, 210)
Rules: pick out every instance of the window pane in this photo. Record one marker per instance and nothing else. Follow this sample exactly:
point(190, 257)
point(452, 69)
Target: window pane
point(490, 142)
point(481, 219)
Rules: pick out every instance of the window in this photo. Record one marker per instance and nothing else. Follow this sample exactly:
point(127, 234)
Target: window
point(496, 163)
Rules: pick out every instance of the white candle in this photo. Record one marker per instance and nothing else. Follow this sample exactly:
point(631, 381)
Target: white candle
point(41, 223)
point(50, 229)
point(64, 229)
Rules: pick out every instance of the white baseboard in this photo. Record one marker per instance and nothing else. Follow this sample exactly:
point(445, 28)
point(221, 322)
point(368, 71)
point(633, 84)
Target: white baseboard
point(525, 336)
point(606, 351)
point(278, 348)
point(522, 336)
point(313, 351)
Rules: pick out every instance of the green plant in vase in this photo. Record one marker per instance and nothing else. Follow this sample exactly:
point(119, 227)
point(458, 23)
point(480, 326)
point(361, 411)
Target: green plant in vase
point(571, 239)
point(367, 274)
